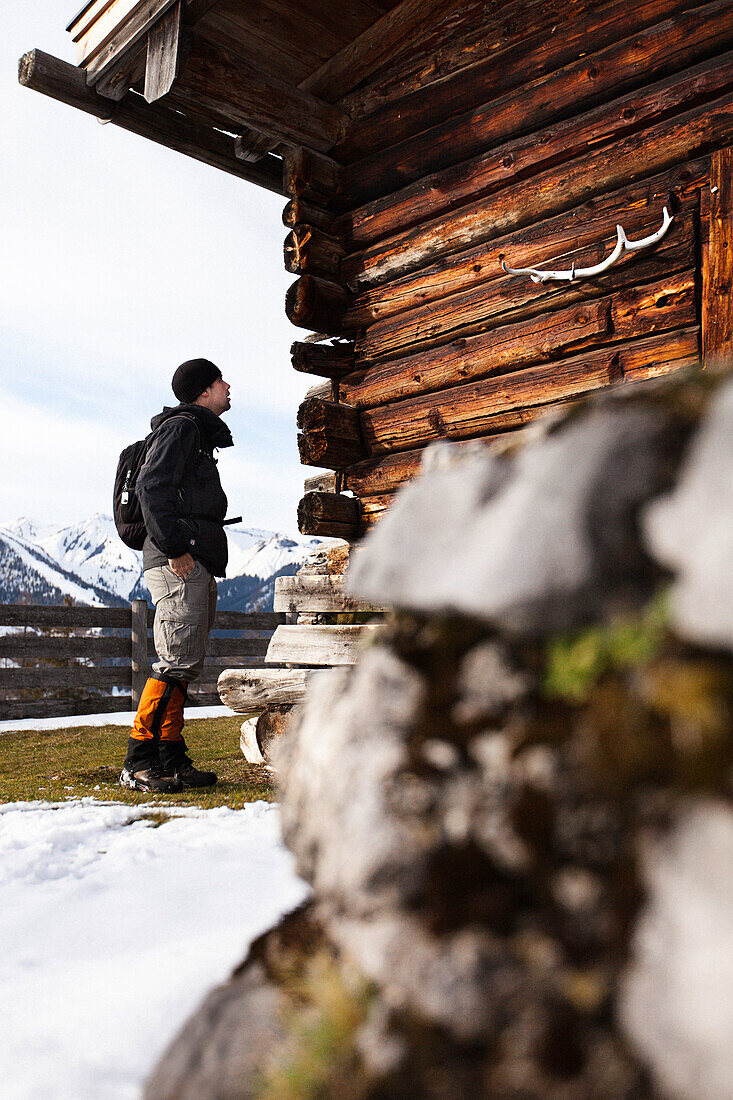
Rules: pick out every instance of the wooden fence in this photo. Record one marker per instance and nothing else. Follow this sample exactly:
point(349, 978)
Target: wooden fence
point(68, 660)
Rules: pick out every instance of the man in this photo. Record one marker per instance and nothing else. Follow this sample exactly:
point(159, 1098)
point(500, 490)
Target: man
point(184, 506)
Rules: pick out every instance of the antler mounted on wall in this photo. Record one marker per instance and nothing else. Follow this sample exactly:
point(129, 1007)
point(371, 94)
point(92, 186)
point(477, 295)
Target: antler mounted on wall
point(623, 244)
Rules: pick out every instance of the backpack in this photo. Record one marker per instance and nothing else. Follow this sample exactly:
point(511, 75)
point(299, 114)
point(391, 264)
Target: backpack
point(128, 514)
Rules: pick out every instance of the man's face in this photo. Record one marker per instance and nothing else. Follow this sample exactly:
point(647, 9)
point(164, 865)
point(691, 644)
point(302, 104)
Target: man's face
point(216, 397)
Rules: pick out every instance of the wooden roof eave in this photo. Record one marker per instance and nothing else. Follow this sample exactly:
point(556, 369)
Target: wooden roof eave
point(159, 122)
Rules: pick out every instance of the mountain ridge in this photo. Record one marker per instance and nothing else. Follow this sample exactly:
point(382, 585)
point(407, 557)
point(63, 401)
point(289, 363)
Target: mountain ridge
point(88, 563)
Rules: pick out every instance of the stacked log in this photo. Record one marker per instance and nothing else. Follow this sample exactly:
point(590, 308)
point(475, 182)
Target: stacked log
point(518, 135)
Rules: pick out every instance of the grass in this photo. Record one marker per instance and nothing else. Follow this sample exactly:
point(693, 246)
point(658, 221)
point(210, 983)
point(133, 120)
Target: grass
point(85, 761)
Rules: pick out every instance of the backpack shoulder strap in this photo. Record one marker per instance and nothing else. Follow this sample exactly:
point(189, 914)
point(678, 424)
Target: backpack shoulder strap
point(179, 416)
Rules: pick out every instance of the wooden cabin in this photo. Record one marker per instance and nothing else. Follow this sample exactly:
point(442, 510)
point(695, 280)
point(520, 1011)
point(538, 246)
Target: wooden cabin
point(438, 158)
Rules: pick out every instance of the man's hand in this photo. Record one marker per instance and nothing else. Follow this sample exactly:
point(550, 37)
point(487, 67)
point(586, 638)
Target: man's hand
point(181, 566)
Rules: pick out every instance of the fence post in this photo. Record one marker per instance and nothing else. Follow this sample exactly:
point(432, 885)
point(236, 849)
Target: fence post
point(139, 641)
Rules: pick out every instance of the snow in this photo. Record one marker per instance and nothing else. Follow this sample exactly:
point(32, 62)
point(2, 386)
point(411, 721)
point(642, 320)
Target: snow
point(118, 718)
point(113, 930)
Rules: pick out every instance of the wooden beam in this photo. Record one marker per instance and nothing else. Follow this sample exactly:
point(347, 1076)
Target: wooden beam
point(584, 233)
point(669, 142)
point(515, 160)
point(373, 49)
point(310, 251)
point(495, 404)
point(331, 434)
point(317, 304)
point(593, 79)
point(328, 514)
point(217, 80)
point(634, 311)
point(324, 360)
point(717, 300)
point(250, 145)
point(310, 176)
point(163, 53)
point(451, 316)
point(247, 691)
point(322, 593)
point(317, 645)
point(298, 212)
point(59, 80)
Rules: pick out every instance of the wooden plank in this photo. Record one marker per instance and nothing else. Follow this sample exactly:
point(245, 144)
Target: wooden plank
point(717, 293)
point(138, 649)
point(163, 53)
point(493, 404)
point(515, 160)
point(373, 49)
point(156, 122)
point(220, 82)
point(321, 483)
point(322, 593)
point(110, 39)
point(232, 648)
point(584, 233)
point(247, 620)
point(71, 677)
point(586, 83)
point(317, 645)
point(41, 616)
point(248, 691)
point(21, 645)
point(665, 304)
point(515, 296)
point(60, 708)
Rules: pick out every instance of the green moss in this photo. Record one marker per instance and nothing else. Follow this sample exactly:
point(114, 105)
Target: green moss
point(317, 1057)
point(576, 662)
point(56, 765)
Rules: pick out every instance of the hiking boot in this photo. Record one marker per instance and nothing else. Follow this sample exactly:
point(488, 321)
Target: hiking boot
point(151, 779)
point(189, 776)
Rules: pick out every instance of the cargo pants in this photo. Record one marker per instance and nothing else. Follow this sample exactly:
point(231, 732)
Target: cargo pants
point(184, 615)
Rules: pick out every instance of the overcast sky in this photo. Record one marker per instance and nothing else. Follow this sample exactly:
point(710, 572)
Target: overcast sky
point(119, 260)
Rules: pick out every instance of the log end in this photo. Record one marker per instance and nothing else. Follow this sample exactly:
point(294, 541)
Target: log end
point(26, 65)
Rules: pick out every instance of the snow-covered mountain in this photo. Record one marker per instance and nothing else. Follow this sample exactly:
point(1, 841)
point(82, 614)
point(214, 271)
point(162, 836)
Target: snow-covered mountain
point(88, 562)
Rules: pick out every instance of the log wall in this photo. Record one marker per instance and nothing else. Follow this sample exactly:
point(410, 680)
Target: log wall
point(520, 132)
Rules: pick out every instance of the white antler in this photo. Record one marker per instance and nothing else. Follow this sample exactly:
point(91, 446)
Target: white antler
point(623, 244)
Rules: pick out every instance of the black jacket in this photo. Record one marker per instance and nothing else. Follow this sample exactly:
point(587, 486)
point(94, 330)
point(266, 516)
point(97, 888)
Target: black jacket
point(180, 493)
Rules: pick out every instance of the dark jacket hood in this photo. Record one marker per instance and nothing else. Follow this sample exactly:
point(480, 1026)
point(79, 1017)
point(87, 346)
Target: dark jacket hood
point(214, 431)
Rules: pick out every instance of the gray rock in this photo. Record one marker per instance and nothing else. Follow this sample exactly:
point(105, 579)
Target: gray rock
point(462, 981)
point(487, 684)
point(220, 1051)
point(677, 1002)
point(348, 841)
point(533, 542)
point(691, 530)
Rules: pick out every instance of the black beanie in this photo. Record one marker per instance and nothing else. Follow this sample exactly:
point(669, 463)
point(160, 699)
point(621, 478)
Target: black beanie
point(192, 378)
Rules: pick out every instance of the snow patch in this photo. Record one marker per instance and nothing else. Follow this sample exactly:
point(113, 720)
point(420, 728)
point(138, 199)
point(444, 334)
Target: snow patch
point(113, 930)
